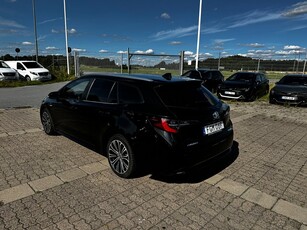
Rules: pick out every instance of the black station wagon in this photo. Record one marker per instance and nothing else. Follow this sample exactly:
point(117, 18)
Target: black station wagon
point(137, 119)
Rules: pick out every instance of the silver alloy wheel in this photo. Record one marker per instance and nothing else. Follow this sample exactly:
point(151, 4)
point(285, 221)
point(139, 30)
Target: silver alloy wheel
point(46, 121)
point(118, 156)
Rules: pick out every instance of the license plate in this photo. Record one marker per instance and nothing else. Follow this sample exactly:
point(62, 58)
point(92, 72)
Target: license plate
point(288, 98)
point(213, 128)
point(230, 93)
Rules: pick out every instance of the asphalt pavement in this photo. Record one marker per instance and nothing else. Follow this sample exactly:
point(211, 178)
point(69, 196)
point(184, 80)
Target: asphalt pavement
point(26, 96)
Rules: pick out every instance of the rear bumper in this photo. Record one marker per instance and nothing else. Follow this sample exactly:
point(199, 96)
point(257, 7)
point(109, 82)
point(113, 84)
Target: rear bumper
point(184, 157)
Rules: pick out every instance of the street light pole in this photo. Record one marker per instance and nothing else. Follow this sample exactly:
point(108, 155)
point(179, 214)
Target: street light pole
point(66, 37)
point(35, 30)
point(198, 34)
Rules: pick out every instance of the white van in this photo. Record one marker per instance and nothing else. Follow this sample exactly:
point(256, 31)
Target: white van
point(7, 74)
point(30, 70)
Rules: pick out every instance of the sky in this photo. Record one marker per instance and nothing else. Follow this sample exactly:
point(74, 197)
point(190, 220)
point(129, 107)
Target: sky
point(266, 29)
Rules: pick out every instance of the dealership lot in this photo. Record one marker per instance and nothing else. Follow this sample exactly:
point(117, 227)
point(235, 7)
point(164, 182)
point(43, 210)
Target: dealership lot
point(55, 183)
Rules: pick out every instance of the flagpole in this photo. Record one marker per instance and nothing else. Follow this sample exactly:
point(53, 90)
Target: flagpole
point(35, 30)
point(198, 34)
point(66, 38)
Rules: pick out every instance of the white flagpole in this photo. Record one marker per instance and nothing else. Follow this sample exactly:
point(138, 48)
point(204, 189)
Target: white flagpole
point(198, 35)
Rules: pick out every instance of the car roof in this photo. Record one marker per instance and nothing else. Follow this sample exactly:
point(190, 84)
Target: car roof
point(139, 77)
point(296, 75)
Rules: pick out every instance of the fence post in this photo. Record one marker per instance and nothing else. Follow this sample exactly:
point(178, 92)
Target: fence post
point(77, 65)
point(181, 62)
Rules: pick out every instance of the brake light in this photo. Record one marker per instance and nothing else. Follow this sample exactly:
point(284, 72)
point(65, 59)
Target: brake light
point(164, 124)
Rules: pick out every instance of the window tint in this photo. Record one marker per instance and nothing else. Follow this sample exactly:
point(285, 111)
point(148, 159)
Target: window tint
point(76, 89)
point(242, 77)
point(3, 65)
point(258, 78)
point(293, 80)
point(185, 95)
point(20, 66)
point(263, 77)
point(192, 74)
point(129, 94)
point(100, 91)
point(32, 65)
point(206, 75)
point(217, 75)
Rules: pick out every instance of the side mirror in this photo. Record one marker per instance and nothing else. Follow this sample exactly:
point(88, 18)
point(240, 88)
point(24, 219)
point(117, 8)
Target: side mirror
point(53, 95)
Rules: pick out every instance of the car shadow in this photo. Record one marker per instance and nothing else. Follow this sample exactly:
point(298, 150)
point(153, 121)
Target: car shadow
point(202, 172)
point(193, 175)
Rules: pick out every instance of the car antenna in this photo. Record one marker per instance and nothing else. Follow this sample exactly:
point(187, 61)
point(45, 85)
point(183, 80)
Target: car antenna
point(167, 76)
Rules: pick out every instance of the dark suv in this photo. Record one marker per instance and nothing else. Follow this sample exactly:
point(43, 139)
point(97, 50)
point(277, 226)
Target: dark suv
point(137, 119)
point(211, 78)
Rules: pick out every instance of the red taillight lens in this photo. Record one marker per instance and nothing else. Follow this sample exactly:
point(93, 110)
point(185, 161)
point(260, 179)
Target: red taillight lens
point(164, 124)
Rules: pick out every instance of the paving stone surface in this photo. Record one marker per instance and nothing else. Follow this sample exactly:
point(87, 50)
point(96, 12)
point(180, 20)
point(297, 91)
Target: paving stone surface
point(52, 182)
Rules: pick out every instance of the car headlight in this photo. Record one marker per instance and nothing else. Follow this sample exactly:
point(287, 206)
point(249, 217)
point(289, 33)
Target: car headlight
point(34, 73)
point(246, 89)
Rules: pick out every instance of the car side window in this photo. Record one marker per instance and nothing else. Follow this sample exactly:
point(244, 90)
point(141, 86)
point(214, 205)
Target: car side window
point(101, 90)
point(129, 94)
point(258, 78)
point(263, 78)
point(19, 66)
point(76, 89)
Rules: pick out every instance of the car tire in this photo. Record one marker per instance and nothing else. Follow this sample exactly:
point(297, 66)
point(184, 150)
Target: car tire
point(28, 78)
point(47, 122)
point(121, 158)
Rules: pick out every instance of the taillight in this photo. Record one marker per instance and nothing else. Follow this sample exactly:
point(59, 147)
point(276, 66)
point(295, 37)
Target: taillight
point(167, 125)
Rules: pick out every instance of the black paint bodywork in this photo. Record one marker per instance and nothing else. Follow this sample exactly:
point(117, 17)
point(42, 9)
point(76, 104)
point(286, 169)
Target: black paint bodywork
point(95, 122)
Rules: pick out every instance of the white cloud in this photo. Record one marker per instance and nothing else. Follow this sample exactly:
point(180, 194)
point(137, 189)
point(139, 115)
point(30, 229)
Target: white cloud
point(174, 43)
point(296, 10)
point(51, 48)
point(55, 31)
point(27, 43)
point(149, 51)
point(292, 47)
point(50, 20)
point(72, 31)
point(103, 51)
point(255, 45)
point(253, 17)
point(188, 53)
point(222, 41)
point(79, 50)
point(213, 30)
point(121, 52)
point(10, 23)
point(176, 33)
point(165, 16)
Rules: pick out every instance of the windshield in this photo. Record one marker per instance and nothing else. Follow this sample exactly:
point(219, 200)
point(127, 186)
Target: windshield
point(32, 65)
point(293, 80)
point(186, 95)
point(247, 77)
point(3, 65)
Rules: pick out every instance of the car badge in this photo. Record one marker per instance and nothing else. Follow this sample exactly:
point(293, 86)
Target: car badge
point(216, 115)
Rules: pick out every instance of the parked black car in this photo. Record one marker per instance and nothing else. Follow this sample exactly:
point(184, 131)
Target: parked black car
point(291, 89)
point(133, 118)
point(246, 86)
point(211, 78)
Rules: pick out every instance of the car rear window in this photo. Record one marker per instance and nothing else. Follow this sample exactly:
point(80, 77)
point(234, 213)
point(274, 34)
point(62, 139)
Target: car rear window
point(187, 94)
